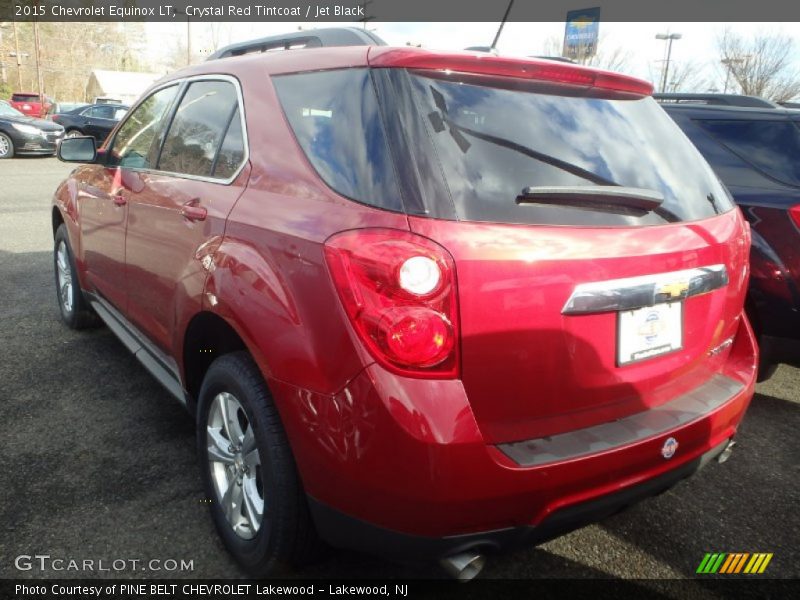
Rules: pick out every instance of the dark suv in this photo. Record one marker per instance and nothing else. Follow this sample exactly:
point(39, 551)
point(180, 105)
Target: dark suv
point(756, 153)
point(424, 304)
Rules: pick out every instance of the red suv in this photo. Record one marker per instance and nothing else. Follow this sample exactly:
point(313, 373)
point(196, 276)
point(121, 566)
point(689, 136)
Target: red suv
point(423, 304)
point(30, 104)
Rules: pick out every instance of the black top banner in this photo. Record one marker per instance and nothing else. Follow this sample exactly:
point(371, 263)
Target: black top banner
point(357, 11)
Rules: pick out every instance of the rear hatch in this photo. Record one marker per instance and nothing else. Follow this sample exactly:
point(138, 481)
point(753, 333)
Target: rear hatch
point(601, 266)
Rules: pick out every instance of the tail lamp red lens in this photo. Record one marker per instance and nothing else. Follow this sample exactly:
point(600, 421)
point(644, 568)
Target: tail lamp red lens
point(794, 213)
point(398, 290)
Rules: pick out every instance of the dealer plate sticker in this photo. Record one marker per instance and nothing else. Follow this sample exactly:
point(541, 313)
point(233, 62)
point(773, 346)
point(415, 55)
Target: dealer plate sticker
point(649, 332)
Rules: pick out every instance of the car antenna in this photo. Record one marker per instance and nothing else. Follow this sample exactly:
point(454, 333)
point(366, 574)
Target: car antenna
point(502, 23)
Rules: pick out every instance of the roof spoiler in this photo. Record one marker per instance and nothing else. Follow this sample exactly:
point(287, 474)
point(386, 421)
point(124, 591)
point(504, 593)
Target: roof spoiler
point(314, 38)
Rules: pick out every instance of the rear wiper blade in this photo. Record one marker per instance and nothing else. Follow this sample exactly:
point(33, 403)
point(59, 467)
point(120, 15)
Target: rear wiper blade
point(604, 198)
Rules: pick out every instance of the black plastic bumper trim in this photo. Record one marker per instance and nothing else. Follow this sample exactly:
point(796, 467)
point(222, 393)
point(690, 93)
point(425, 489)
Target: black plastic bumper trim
point(345, 531)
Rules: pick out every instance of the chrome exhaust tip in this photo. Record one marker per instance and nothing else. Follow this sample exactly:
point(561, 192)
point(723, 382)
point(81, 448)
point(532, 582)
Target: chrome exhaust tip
point(726, 453)
point(464, 566)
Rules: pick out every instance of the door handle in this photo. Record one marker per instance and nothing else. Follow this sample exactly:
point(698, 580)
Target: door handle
point(193, 212)
point(120, 200)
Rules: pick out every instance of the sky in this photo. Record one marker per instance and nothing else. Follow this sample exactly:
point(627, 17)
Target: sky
point(646, 60)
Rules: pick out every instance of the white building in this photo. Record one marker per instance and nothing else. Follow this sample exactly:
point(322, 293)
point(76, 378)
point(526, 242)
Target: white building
point(125, 86)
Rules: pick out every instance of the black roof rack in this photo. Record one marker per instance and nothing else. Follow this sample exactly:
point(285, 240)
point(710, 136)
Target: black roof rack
point(313, 38)
point(715, 99)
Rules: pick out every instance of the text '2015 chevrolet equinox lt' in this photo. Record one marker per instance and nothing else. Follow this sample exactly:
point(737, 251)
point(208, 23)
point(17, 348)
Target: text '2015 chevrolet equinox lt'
point(429, 305)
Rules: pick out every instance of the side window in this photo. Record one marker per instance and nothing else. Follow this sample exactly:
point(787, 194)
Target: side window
point(194, 137)
point(231, 153)
point(772, 147)
point(103, 112)
point(335, 118)
point(133, 146)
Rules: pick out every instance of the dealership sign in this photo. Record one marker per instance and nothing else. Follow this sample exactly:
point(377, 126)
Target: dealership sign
point(580, 35)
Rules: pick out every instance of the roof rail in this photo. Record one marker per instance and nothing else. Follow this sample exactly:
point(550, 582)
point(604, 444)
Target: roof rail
point(313, 38)
point(715, 99)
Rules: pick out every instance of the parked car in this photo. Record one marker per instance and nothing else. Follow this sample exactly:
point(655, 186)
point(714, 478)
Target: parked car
point(423, 304)
point(95, 120)
point(106, 100)
point(756, 153)
point(58, 108)
point(20, 134)
point(30, 104)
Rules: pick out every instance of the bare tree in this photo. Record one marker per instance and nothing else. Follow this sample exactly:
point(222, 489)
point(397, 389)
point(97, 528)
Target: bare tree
point(761, 65)
point(611, 58)
point(689, 76)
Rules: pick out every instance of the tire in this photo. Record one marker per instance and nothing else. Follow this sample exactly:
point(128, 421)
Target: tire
point(255, 472)
point(6, 146)
point(75, 310)
point(71, 133)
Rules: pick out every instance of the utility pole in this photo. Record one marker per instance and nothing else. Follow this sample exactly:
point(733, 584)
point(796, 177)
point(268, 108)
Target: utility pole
point(18, 57)
point(37, 51)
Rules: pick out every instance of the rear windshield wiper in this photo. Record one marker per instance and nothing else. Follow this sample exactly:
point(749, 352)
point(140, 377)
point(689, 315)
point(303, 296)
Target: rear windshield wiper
point(604, 198)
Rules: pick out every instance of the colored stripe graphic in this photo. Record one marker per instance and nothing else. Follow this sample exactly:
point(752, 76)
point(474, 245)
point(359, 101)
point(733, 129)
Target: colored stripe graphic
point(734, 563)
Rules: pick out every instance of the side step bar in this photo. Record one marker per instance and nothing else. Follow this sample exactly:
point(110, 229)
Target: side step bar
point(147, 354)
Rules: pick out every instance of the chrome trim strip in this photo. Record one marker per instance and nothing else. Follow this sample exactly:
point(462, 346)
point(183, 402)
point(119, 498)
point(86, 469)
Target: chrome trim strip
point(646, 290)
point(629, 430)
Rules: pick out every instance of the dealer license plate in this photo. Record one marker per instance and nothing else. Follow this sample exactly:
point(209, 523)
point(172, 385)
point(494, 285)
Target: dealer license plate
point(649, 332)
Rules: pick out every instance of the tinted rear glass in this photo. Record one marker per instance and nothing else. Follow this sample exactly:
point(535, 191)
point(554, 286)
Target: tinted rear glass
point(335, 117)
point(772, 147)
point(493, 142)
point(25, 98)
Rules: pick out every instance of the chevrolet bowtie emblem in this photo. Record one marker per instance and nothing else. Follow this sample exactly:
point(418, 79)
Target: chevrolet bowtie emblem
point(675, 289)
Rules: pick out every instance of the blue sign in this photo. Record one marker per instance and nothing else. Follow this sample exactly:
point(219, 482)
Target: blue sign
point(580, 36)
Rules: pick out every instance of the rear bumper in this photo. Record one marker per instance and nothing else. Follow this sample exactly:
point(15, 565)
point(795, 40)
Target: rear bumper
point(394, 463)
point(342, 530)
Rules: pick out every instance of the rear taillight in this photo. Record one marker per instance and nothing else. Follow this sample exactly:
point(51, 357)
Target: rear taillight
point(399, 291)
point(794, 213)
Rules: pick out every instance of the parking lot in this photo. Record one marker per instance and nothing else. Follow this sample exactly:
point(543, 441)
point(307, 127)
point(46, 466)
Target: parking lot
point(99, 462)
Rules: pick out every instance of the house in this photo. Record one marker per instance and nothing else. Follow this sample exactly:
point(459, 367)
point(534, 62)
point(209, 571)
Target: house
point(125, 86)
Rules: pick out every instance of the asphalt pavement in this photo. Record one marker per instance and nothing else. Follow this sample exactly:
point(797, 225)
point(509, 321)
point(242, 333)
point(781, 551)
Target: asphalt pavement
point(98, 462)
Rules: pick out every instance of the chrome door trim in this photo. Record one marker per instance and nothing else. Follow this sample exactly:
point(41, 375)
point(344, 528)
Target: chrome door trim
point(636, 292)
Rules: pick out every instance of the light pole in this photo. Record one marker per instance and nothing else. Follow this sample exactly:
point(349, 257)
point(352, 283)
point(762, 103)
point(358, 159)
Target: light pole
point(728, 62)
point(669, 37)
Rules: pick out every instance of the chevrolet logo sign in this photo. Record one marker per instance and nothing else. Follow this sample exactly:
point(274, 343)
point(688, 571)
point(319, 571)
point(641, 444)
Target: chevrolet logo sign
point(676, 289)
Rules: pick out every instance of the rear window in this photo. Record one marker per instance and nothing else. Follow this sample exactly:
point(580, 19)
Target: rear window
point(335, 117)
point(772, 147)
point(494, 142)
point(25, 98)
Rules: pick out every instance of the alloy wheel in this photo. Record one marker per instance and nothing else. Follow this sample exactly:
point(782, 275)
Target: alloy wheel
point(5, 145)
point(235, 465)
point(64, 275)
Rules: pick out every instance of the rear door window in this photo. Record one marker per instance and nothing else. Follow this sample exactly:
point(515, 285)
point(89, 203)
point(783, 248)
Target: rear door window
point(335, 118)
point(135, 144)
point(198, 127)
point(772, 147)
point(231, 152)
point(495, 138)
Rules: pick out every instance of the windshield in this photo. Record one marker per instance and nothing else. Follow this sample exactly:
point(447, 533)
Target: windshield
point(492, 143)
point(7, 110)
